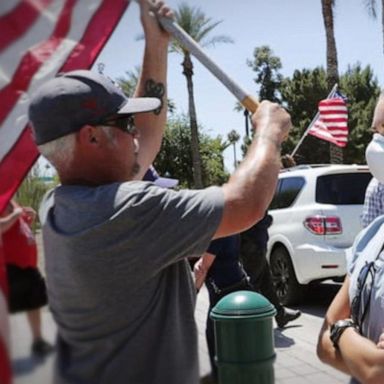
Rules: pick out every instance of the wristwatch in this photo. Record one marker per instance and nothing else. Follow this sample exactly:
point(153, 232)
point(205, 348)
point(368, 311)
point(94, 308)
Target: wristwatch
point(338, 328)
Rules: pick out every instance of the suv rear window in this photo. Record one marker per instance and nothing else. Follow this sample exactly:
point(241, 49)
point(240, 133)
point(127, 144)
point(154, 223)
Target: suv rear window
point(286, 192)
point(342, 189)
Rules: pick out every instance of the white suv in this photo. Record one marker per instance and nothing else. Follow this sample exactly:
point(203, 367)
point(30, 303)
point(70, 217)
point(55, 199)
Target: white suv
point(316, 216)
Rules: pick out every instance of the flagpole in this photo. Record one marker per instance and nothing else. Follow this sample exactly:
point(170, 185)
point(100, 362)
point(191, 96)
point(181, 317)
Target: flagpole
point(331, 94)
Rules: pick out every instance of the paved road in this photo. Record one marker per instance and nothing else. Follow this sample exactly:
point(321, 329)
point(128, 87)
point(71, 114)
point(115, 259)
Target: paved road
point(296, 362)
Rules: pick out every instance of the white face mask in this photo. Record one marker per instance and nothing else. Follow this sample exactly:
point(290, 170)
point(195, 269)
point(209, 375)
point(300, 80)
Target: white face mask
point(374, 155)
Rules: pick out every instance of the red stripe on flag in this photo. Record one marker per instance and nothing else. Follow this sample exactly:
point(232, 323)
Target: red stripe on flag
point(96, 35)
point(333, 112)
point(16, 165)
point(334, 119)
point(33, 60)
point(17, 22)
point(332, 101)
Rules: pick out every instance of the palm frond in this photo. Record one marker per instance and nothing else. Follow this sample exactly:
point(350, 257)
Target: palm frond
point(197, 25)
point(217, 40)
point(205, 27)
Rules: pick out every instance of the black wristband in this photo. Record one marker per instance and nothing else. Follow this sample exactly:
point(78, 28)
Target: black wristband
point(337, 330)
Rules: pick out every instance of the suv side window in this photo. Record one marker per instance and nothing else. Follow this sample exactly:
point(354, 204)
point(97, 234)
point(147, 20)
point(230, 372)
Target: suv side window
point(342, 189)
point(286, 192)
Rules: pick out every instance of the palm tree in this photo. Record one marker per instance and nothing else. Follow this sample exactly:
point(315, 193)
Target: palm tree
point(371, 6)
point(332, 65)
point(233, 138)
point(198, 26)
point(336, 153)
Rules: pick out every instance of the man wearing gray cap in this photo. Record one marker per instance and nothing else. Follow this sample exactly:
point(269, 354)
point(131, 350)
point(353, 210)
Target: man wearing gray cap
point(119, 285)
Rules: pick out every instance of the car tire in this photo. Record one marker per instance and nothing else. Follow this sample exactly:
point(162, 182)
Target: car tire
point(284, 278)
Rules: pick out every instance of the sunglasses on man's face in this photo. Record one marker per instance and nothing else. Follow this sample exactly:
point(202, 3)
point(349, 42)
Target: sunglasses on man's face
point(125, 123)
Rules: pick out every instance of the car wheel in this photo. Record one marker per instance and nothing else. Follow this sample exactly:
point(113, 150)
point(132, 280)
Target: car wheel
point(284, 278)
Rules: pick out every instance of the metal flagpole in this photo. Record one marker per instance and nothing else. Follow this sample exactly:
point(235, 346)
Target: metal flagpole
point(331, 94)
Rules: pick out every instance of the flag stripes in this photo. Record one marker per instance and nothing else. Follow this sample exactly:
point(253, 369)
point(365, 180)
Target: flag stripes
point(18, 21)
point(332, 122)
point(65, 35)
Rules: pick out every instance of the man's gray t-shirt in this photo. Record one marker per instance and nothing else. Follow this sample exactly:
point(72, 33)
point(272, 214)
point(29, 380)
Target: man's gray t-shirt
point(119, 285)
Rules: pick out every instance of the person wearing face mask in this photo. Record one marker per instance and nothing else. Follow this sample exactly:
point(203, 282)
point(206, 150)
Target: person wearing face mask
point(373, 202)
point(350, 339)
point(374, 195)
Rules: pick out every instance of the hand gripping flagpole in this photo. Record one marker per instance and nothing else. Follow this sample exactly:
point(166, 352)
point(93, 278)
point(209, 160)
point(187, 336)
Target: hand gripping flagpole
point(248, 101)
point(331, 94)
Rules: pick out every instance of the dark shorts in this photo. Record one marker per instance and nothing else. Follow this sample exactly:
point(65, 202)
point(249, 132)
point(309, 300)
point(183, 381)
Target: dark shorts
point(27, 289)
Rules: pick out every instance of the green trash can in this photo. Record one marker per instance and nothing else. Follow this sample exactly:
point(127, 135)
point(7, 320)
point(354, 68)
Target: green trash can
point(244, 342)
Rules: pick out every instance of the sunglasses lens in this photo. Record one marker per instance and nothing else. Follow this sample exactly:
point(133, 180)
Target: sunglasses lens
point(126, 124)
point(130, 125)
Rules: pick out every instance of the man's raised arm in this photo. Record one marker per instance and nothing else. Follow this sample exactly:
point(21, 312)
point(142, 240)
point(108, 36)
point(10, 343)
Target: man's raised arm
point(250, 189)
point(152, 82)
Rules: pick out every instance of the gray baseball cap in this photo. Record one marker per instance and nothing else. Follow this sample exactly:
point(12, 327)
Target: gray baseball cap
point(69, 101)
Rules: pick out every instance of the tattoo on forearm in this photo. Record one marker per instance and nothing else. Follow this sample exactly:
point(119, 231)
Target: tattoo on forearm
point(153, 89)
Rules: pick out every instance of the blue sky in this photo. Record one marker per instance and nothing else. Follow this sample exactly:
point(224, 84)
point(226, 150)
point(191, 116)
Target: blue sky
point(293, 29)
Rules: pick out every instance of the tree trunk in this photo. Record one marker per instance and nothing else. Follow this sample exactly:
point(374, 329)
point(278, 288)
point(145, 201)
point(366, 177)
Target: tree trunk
point(234, 156)
point(196, 159)
point(335, 152)
point(332, 65)
point(382, 21)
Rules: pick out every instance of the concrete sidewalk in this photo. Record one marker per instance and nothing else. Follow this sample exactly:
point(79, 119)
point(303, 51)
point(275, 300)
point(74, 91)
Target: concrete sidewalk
point(296, 361)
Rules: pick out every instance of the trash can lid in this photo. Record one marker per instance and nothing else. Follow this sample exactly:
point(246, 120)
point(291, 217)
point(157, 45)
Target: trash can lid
point(244, 303)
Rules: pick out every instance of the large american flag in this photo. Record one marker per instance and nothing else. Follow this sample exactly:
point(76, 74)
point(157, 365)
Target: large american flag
point(332, 121)
point(5, 365)
point(38, 39)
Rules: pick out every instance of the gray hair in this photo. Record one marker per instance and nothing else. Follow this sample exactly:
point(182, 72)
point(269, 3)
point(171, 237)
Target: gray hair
point(60, 152)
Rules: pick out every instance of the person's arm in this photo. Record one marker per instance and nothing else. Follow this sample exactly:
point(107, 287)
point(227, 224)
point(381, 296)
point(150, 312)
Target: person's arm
point(357, 356)
point(364, 359)
point(250, 188)
point(338, 310)
point(8, 218)
point(152, 83)
point(201, 268)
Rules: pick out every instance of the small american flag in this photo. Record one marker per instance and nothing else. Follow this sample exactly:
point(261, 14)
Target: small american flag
point(332, 122)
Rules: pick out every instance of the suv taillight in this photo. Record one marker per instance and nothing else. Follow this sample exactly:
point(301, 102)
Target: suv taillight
point(323, 225)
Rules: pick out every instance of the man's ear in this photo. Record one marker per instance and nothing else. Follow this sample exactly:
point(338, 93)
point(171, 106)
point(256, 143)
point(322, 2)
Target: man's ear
point(89, 135)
